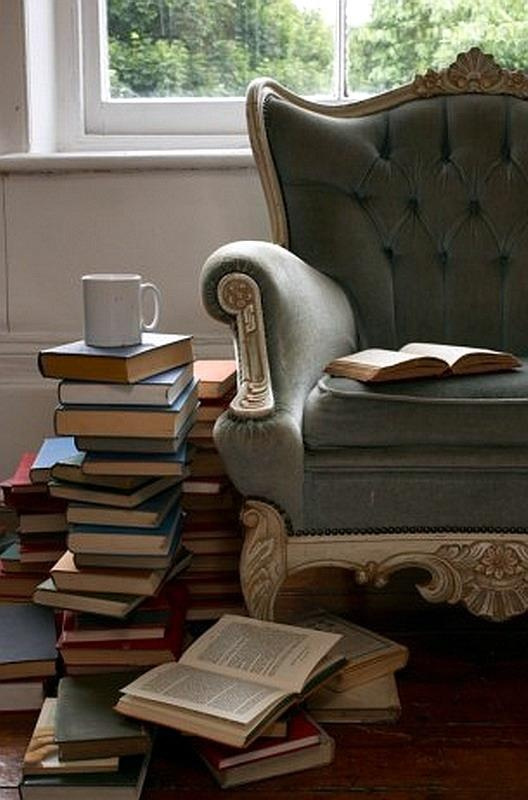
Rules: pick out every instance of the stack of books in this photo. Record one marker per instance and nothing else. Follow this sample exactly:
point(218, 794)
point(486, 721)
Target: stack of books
point(211, 528)
point(27, 655)
point(81, 748)
point(366, 690)
point(230, 688)
point(40, 536)
point(119, 408)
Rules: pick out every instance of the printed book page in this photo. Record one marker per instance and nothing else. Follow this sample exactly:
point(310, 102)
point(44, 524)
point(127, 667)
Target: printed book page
point(447, 352)
point(281, 656)
point(205, 692)
point(380, 358)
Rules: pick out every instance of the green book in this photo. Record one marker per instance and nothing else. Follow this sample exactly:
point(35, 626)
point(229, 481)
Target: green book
point(86, 724)
point(125, 784)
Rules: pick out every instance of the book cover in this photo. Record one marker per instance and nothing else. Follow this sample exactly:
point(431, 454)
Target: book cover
point(122, 539)
point(161, 389)
point(52, 450)
point(149, 514)
point(151, 464)
point(67, 577)
point(217, 377)
point(112, 496)
point(126, 421)
point(86, 724)
point(106, 604)
point(124, 784)
point(157, 352)
point(28, 636)
point(42, 753)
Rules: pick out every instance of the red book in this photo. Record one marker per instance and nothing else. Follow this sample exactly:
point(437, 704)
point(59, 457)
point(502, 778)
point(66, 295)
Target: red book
point(217, 377)
point(302, 732)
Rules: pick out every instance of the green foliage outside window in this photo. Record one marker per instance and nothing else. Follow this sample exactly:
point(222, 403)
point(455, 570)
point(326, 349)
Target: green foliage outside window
point(165, 48)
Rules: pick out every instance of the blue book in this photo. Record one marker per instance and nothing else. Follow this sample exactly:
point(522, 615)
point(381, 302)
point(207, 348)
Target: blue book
point(151, 464)
point(157, 390)
point(149, 514)
point(141, 421)
point(52, 450)
point(85, 538)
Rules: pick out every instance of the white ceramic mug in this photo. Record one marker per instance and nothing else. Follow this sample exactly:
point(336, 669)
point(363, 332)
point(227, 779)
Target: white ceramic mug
point(113, 309)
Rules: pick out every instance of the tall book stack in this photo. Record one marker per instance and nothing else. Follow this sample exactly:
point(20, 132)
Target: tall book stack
point(211, 529)
point(126, 413)
point(40, 535)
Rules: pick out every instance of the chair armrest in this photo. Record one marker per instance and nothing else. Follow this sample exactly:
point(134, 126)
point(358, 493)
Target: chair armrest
point(289, 321)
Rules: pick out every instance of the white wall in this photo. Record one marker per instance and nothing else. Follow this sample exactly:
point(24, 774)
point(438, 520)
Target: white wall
point(56, 227)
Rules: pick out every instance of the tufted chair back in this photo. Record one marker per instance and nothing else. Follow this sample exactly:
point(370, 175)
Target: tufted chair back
point(418, 209)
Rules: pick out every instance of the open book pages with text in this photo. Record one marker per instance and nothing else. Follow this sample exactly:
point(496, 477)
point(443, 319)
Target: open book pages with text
point(420, 360)
point(237, 677)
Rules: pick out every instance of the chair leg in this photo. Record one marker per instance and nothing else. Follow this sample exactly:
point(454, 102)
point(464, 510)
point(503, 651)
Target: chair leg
point(263, 560)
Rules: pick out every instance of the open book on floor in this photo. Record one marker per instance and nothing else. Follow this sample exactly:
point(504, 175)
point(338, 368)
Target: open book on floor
point(419, 360)
point(236, 679)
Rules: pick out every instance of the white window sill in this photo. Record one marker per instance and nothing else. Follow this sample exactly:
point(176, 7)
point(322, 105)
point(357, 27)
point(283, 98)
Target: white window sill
point(127, 160)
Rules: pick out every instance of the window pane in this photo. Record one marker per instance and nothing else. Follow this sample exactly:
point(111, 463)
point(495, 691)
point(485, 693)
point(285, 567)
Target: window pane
point(392, 40)
point(213, 48)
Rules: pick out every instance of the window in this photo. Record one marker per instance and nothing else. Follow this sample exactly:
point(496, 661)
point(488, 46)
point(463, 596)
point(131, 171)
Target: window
point(172, 73)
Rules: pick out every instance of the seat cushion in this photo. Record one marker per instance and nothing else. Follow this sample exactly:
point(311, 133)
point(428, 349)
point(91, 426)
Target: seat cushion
point(479, 410)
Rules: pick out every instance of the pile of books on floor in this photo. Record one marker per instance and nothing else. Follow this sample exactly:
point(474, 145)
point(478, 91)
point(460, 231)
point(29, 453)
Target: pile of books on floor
point(119, 408)
point(211, 529)
point(243, 678)
point(81, 748)
point(40, 534)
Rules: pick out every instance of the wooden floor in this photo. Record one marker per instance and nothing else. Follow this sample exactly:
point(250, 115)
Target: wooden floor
point(463, 732)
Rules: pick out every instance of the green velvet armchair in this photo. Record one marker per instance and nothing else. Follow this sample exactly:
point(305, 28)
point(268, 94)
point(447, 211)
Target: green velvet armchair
point(399, 218)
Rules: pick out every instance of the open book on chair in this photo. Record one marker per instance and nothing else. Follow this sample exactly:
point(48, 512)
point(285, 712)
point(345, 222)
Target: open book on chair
point(235, 680)
point(420, 360)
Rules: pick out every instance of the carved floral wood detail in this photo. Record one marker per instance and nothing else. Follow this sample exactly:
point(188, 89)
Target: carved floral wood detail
point(489, 578)
point(263, 559)
point(239, 296)
point(473, 71)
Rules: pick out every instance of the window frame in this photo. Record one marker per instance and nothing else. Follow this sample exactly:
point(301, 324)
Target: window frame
point(88, 119)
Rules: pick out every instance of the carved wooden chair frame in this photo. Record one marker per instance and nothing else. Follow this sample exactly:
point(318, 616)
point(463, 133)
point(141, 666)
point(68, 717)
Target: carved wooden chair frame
point(487, 571)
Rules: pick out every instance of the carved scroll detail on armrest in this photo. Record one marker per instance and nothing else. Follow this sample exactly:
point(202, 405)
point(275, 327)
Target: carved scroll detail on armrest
point(239, 295)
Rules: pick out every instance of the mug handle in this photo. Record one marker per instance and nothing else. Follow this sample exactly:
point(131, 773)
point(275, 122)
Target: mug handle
point(144, 287)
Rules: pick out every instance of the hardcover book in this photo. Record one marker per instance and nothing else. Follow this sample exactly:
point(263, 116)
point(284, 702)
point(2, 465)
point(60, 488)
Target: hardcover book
point(305, 746)
point(138, 421)
point(68, 578)
point(369, 655)
point(235, 680)
point(52, 450)
point(158, 352)
point(149, 514)
point(419, 360)
point(376, 701)
point(27, 636)
point(106, 604)
point(157, 390)
point(72, 470)
point(108, 539)
point(135, 444)
point(151, 464)
point(111, 496)
point(217, 377)
point(86, 724)
point(124, 784)
point(42, 753)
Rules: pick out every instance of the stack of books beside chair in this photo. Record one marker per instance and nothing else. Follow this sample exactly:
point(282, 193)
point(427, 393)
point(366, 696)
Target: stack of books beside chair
point(211, 529)
point(124, 544)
